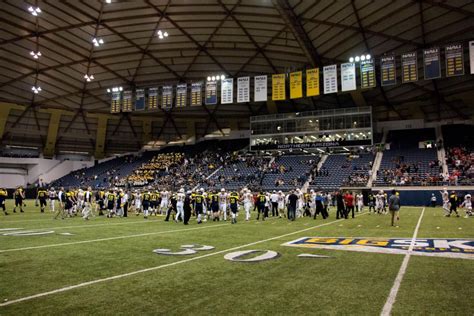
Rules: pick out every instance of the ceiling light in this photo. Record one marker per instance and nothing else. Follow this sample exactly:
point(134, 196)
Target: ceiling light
point(208, 78)
point(97, 41)
point(357, 58)
point(34, 11)
point(108, 91)
point(213, 78)
point(351, 59)
point(368, 57)
point(36, 90)
point(108, 1)
point(362, 58)
point(222, 77)
point(165, 34)
point(35, 55)
point(161, 34)
point(89, 77)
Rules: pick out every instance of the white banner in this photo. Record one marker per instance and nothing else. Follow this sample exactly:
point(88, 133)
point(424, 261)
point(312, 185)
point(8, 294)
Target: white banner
point(260, 88)
point(471, 56)
point(243, 89)
point(181, 93)
point(348, 77)
point(227, 91)
point(330, 79)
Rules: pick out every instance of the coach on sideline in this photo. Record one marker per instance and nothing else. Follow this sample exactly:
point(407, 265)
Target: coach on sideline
point(394, 205)
point(292, 199)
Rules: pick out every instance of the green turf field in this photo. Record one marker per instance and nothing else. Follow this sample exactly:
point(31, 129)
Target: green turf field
point(107, 266)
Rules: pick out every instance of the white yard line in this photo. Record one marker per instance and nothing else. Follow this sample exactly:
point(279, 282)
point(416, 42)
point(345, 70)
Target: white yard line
point(93, 225)
point(120, 276)
point(108, 238)
point(387, 308)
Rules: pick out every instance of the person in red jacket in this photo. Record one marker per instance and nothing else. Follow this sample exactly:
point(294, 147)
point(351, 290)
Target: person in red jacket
point(349, 201)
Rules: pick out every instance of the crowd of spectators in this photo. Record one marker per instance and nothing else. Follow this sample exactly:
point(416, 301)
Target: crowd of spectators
point(409, 173)
point(461, 166)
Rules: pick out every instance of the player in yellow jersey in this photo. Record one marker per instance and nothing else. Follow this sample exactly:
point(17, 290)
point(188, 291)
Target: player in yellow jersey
point(234, 205)
point(3, 197)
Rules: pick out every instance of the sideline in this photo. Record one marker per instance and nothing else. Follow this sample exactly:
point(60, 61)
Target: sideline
point(387, 308)
point(120, 276)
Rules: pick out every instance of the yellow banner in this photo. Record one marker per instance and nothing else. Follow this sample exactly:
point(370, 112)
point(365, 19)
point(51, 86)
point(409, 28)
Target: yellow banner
point(296, 85)
point(312, 82)
point(278, 87)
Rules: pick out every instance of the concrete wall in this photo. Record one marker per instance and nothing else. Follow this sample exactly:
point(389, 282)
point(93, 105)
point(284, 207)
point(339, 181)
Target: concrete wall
point(20, 171)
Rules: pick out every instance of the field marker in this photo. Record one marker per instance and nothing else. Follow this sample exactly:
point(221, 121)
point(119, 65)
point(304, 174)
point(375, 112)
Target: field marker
point(106, 239)
point(387, 309)
point(120, 276)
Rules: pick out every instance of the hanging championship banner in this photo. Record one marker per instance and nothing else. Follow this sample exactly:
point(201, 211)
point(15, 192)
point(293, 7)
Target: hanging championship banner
point(388, 71)
point(312, 82)
point(348, 77)
point(454, 60)
point(152, 98)
point(167, 97)
point(243, 89)
point(127, 101)
point(260, 88)
point(211, 93)
point(432, 63)
point(296, 85)
point(196, 94)
point(330, 79)
point(367, 74)
point(471, 56)
point(278, 87)
point(227, 91)
point(139, 99)
point(181, 94)
point(409, 67)
point(115, 103)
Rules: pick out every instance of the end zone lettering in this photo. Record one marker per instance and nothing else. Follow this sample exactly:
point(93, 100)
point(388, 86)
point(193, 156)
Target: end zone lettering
point(451, 248)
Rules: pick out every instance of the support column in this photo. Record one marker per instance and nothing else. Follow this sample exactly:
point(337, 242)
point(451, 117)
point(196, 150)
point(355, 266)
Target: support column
point(5, 109)
point(102, 120)
point(54, 120)
point(191, 131)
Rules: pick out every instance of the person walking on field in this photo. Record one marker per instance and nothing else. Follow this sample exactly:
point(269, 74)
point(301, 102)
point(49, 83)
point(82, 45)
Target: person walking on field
point(394, 206)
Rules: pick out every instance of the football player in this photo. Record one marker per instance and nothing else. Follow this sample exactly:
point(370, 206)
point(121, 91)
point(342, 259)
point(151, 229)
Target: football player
point(180, 197)
point(3, 197)
point(41, 196)
point(466, 204)
point(234, 205)
point(19, 196)
point(223, 203)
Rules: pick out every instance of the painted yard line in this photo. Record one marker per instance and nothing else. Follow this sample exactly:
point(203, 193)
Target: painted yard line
point(92, 225)
point(119, 276)
point(107, 239)
point(49, 219)
point(387, 309)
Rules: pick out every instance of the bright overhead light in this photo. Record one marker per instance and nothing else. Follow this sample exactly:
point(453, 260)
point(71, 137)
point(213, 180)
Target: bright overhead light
point(108, 90)
point(222, 77)
point(120, 88)
point(36, 90)
point(161, 34)
point(108, 1)
point(34, 11)
point(351, 59)
point(362, 58)
point(88, 77)
point(213, 78)
point(208, 78)
point(35, 55)
point(97, 41)
point(165, 34)
point(357, 58)
point(368, 57)
point(217, 78)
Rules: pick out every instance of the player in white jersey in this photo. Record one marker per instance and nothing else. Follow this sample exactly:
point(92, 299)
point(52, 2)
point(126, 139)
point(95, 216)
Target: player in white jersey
point(80, 200)
point(87, 204)
point(205, 206)
point(467, 205)
point(300, 203)
point(165, 200)
point(137, 202)
point(180, 204)
point(281, 204)
point(312, 202)
point(379, 202)
point(359, 202)
point(445, 198)
point(53, 196)
point(223, 200)
point(247, 199)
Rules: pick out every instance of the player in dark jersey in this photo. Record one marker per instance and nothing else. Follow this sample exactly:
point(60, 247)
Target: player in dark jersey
point(146, 203)
point(199, 201)
point(234, 205)
point(41, 196)
point(111, 200)
point(214, 197)
point(19, 196)
point(3, 197)
point(261, 199)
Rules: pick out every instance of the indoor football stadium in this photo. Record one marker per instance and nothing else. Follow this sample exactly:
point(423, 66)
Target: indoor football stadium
point(236, 157)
